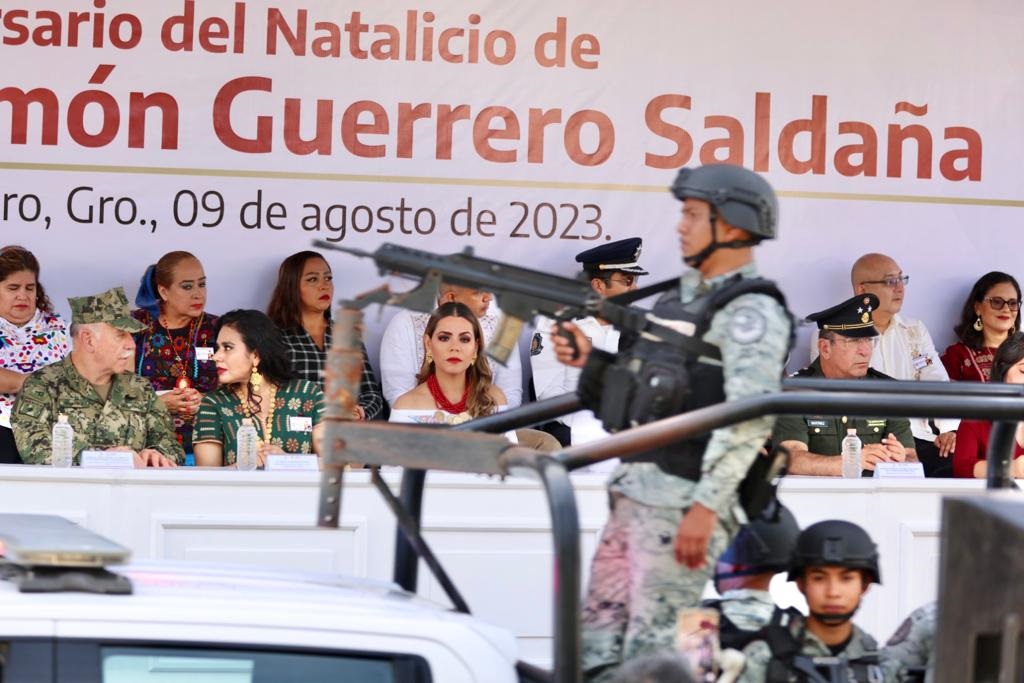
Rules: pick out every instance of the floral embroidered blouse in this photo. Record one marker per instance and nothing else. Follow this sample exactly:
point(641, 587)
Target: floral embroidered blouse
point(162, 356)
point(41, 341)
point(220, 415)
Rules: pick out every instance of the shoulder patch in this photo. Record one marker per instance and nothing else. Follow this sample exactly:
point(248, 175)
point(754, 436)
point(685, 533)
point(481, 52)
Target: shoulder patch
point(747, 325)
point(902, 632)
point(536, 344)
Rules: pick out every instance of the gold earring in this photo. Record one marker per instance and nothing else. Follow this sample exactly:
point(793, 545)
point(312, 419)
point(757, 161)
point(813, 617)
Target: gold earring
point(430, 358)
point(977, 324)
point(255, 378)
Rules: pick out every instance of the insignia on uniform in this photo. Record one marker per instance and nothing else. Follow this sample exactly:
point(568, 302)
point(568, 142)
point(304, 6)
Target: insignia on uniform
point(536, 344)
point(747, 326)
point(902, 632)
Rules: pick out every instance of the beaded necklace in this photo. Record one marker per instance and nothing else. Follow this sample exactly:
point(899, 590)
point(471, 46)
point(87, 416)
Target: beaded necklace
point(441, 401)
point(192, 334)
point(267, 425)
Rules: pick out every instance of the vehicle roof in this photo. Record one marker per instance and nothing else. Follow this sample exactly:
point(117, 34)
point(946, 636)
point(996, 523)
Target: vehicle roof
point(223, 595)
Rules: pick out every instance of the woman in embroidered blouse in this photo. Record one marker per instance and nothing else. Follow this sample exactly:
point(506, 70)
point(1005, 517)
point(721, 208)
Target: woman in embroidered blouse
point(256, 381)
point(455, 379)
point(990, 314)
point(301, 307)
point(969, 458)
point(175, 351)
point(32, 336)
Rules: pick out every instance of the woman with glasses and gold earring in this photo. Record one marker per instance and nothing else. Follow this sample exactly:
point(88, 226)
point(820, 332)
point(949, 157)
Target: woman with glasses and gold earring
point(256, 382)
point(990, 314)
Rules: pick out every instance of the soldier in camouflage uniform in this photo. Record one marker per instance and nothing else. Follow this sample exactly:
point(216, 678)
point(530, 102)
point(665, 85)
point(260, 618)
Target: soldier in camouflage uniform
point(109, 407)
point(833, 564)
point(668, 526)
point(913, 644)
point(744, 573)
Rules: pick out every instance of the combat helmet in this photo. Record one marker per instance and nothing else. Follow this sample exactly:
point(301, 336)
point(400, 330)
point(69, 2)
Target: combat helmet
point(739, 195)
point(764, 545)
point(835, 543)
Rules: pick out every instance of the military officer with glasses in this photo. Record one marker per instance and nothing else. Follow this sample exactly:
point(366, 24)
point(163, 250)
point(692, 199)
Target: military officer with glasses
point(612, 269)
point(905, 351)
point(847, 338)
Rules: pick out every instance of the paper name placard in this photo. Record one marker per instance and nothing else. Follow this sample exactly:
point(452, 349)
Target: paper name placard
point(287, 461)
point(899, 470)
point(108, 460)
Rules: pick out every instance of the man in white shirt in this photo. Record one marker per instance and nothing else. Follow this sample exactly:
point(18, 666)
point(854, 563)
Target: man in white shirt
point(613, 269)
point(401, 347)
point(905, 351)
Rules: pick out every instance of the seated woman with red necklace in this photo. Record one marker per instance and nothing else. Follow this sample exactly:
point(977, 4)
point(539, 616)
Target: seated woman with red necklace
point(175, 351)
point(256, 382)
point(455, 383)
point(969, 458)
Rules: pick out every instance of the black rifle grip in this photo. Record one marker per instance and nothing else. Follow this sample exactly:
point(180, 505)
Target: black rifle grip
point(569, 337)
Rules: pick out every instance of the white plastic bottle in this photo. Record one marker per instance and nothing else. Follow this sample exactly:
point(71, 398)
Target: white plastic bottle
point(851, 455)
point(62, 443)
point(248, 442)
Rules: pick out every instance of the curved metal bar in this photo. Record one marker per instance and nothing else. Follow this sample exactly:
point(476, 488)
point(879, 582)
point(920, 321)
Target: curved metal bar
point(663, 432)
point(888, 386)
point(1001, 441)
point(527, 415)
point(565, 531)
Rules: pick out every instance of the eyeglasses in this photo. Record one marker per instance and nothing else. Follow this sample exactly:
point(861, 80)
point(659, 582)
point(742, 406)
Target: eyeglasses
point(890, 282)
point(851, 342)
point(623, 279)
point(999, 303)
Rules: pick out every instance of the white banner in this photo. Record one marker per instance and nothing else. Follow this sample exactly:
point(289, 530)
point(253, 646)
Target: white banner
point(243, 130)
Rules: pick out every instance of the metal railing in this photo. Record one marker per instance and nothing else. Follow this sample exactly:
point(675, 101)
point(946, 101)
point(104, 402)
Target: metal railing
point(1003, 404)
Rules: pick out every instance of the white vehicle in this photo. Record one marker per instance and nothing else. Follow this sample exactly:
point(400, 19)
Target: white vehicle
point(64, 618)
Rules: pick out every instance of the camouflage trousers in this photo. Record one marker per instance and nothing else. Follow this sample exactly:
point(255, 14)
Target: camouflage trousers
point(637, 587)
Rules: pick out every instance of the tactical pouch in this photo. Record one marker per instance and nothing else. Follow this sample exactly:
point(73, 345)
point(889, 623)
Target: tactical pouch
point(661, 391)
point(759, 487)
point(619, 395)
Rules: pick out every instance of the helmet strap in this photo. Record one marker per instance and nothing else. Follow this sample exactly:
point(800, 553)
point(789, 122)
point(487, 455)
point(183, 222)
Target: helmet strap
point(701, 256)
point(835, 619)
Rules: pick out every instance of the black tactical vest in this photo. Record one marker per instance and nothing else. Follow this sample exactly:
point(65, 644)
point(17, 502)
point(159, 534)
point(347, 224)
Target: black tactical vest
point(652, 379)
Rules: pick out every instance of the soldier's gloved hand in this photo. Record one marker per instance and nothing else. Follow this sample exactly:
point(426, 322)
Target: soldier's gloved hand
point(693, 536)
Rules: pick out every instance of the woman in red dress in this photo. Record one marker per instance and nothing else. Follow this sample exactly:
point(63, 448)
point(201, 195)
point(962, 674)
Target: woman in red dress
point(972, 436)
point(990, 314)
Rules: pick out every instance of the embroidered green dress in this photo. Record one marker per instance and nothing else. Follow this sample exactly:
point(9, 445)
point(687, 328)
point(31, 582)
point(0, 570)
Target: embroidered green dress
point(298, 407)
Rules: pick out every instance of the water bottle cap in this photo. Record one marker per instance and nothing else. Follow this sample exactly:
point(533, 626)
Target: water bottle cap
point(851, 431)
point(62, 418)
point(247, 421)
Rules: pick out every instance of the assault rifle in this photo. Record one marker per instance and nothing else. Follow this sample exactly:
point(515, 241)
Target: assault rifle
point(521, 293)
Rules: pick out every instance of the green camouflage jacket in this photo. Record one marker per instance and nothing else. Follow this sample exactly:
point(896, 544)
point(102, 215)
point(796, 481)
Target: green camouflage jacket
point(131, 416)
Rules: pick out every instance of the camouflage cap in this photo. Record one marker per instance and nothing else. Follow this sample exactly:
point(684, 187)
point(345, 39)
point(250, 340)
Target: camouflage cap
point(110, 307)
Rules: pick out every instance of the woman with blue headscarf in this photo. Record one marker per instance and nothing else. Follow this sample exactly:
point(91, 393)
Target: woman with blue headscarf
point(175, 351)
